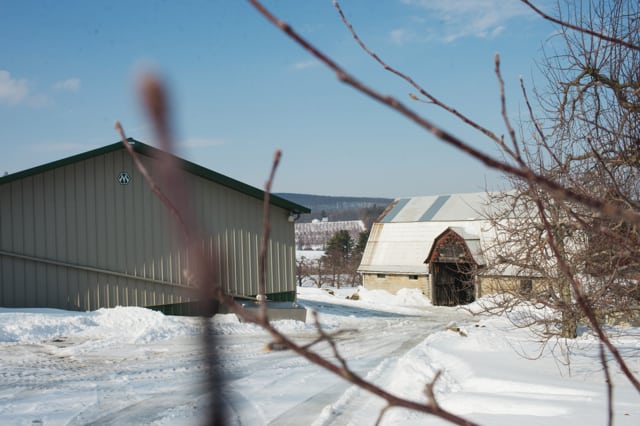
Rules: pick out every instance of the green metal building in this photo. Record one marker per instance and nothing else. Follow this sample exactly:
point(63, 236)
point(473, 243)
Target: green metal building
point(87, 232)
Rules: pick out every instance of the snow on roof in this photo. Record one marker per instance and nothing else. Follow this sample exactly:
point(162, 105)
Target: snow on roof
point(402, 247)
point(402, 238)
point(454, 207)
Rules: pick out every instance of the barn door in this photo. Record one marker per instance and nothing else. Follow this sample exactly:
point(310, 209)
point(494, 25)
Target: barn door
point(453, 284)
point(452, 269)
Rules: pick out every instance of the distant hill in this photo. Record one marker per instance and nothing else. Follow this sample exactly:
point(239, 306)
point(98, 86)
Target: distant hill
point(339, 208)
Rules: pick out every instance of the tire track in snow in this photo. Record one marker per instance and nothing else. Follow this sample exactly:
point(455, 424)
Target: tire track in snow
point(336, 404)
point(106, 386)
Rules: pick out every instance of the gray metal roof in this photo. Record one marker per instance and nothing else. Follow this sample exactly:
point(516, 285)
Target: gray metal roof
point(454, 207)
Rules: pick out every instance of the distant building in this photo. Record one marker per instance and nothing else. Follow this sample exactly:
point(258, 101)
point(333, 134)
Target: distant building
point(436, 244)
point(87, 232)
point(314, 235)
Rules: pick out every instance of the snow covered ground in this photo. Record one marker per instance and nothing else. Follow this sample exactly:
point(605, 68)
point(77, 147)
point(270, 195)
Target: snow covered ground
point(135, 366)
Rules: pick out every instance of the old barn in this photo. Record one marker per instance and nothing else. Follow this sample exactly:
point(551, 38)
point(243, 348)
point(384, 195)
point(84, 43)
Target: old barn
point(87, 232)
point(433, 243)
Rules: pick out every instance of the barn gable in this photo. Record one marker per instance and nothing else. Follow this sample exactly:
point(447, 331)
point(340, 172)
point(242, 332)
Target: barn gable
point(456, 246)
point(86, 232)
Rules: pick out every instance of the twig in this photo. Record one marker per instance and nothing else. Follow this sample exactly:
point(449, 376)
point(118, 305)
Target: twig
point(381, 414)
point(515, 154)
point(525, 96)
point(323, 337)
point(580, 29)
point(409, 80)
point(429, 391)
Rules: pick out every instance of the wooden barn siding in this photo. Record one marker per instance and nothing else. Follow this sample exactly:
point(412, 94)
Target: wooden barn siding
point(81, 216)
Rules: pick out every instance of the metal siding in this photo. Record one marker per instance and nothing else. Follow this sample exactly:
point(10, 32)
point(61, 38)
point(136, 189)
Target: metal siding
point(27, 222)
point(21, 292)
point(60, 289)
point(120, 213)
point(88, 290)
point(101, 246)
point(40, 233)
point(236, 226)
point(278, 263)
point(81, 215)
point(72, 234)
point(16, 218)
point(150, 238)
point(133, 229)
point(154, 262)
point(253, 221)
point(6, 265)
point(238, 207)
point(244, 226)
point(107, 197)
point(74, 220)
point(111, 235)
point(91, 229)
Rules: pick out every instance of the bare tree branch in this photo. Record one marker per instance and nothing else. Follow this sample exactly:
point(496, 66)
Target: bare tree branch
point(515, 154)
point(579, 28)
point(409, 80)
point(429, 391)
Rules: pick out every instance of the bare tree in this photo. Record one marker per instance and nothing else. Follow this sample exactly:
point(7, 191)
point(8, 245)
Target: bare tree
point(585, 138)
point(305, 271)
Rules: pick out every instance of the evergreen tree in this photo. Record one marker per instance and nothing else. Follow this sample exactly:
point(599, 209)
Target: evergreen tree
point(339, 247)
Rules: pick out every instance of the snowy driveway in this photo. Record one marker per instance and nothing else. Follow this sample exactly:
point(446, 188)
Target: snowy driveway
point(134, 366)
point(287, 390)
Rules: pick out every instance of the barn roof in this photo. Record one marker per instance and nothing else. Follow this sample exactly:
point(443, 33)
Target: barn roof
point(150, 151)
point(403, 235)
point(437, 208)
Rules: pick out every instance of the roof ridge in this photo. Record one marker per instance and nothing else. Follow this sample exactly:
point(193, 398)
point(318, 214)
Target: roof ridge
point(148, 150)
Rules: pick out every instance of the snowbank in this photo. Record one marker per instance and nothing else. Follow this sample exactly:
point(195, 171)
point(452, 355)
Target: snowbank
point(127, 325)
point(406, 301)
point(486, 378)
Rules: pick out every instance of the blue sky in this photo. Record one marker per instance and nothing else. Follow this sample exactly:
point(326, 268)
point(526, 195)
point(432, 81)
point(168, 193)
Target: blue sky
point(240, 89)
